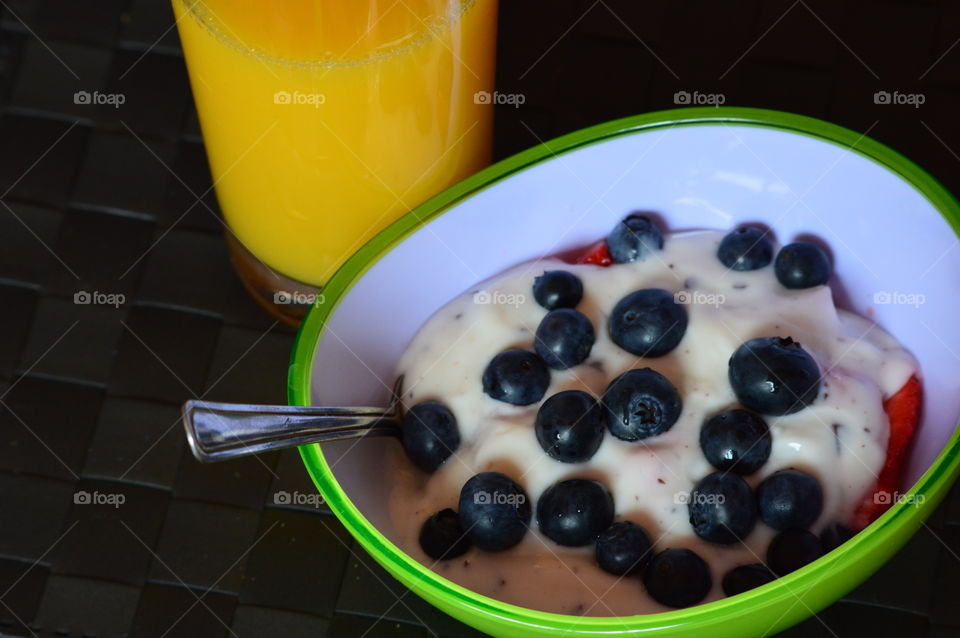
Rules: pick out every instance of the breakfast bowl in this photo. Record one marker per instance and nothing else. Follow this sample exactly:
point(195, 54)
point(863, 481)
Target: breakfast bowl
point(891, 230)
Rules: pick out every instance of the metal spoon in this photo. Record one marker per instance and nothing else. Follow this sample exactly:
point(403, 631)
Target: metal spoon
point(219, 431)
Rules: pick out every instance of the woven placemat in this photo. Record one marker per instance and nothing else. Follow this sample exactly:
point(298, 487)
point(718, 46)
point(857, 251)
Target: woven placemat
point(108, 199)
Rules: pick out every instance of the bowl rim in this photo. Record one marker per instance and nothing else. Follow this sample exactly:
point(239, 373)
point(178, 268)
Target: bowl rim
point(926, 492)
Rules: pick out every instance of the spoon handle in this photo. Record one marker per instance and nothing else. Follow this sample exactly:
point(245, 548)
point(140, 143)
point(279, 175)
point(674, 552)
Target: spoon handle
point(218, 431)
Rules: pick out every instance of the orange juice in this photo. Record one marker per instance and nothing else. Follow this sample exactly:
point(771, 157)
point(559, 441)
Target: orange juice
point(325, 120)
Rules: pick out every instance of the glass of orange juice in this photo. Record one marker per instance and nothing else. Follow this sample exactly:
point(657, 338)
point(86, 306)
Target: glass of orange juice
point(325, 120)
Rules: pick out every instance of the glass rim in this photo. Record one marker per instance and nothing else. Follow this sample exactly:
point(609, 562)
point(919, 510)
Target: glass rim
point(208, 21)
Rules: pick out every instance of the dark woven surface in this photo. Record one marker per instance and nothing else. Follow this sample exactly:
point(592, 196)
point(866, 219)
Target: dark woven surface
point(106, 199)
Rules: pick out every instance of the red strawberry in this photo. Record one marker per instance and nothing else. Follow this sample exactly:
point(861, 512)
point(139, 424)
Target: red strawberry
point(597, 254)
point(903, 411)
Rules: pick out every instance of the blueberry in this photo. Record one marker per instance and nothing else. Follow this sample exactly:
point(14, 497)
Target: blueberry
point(569, 426)
point(722, 508)
point(792, 549)
point(745, 248)
point(574, 512)
point(494, 510)
point(441, 536)
point(648, 323)
point(746, 577)
point(430, 434)
point(640, 404)
point(802, 265)
point(677, 578)
point(623, 548)
point(833, 536)
point(774, 375)
point(789, 499)
point(564, 338)
point(633, 238)
point(736, 441)
point(515, 376)
point(557, 289)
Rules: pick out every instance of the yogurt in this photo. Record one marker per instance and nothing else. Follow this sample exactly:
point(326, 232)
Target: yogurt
point(841, 438)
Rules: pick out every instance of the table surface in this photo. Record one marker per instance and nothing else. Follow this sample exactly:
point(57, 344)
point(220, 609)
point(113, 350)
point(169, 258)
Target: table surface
point(118, 200)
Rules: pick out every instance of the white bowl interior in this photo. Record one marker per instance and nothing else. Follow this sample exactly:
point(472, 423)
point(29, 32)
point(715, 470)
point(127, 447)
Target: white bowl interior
point(885, 237)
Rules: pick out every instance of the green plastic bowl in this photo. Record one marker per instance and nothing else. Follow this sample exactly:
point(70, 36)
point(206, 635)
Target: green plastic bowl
point(712, 167)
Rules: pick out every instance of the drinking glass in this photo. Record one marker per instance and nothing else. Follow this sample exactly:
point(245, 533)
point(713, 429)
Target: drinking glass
point(325, 120)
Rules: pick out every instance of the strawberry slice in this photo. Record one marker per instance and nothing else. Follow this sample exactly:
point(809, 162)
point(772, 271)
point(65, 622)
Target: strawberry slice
point(597, 254)
point(903, 411)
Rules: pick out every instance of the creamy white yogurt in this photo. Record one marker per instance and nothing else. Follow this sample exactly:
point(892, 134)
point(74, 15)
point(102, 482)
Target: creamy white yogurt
point(841, 438)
